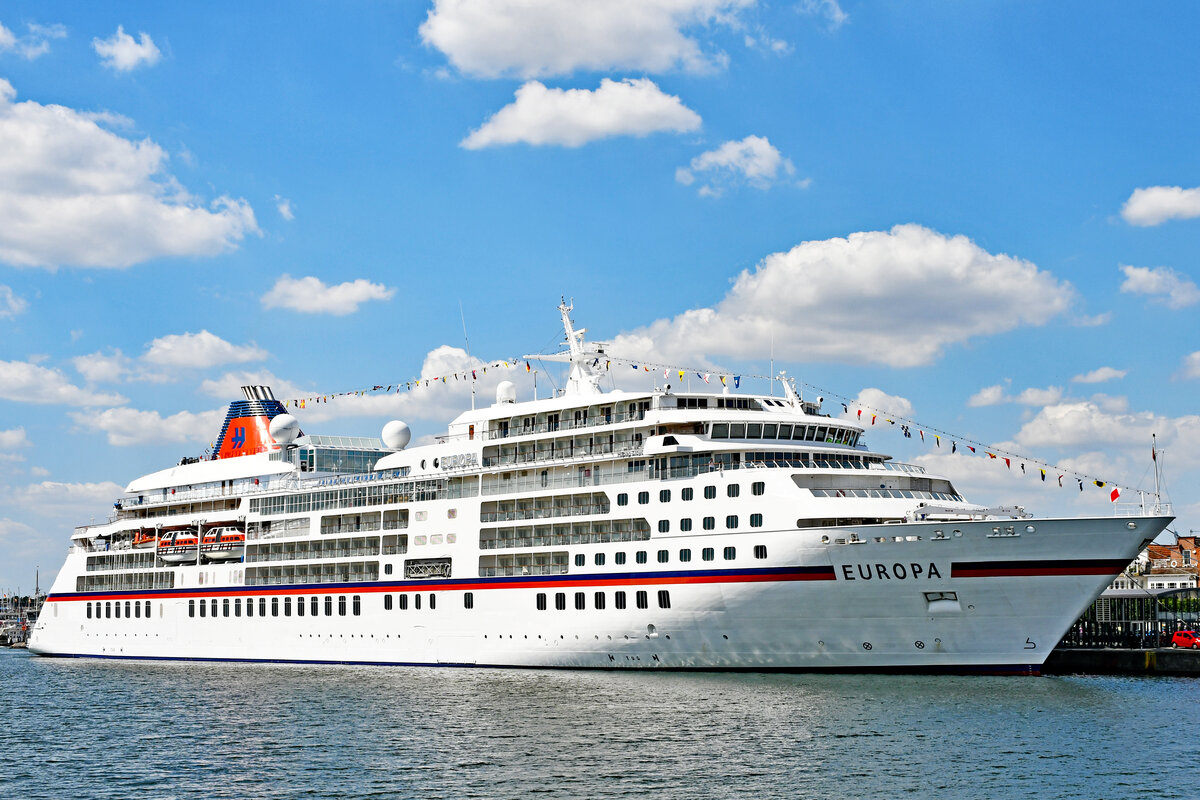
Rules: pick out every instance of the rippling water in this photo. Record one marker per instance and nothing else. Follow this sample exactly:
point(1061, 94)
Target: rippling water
point(98, 729)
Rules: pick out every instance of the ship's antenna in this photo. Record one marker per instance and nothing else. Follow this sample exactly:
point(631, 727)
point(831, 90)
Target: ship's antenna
point(772, 372)
point(463, 317)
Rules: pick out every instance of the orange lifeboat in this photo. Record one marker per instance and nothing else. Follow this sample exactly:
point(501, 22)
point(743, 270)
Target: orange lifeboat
point(144, 539)
point(223, 544)
point(178, 547)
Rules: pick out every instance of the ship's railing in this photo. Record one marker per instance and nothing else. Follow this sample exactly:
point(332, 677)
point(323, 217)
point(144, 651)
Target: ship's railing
point(897, 466)
point(561, 539)
point(576, 453)
point(1137, 509)
point(567, 423)
point(515, 515)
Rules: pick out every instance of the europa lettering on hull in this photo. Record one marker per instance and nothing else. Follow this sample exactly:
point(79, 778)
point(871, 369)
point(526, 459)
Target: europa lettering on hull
point(652, 529)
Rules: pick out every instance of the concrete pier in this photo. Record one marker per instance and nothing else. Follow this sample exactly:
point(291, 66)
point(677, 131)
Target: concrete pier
point(1111, 661)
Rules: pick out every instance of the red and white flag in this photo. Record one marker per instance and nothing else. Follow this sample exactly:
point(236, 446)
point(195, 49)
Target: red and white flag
point(1114, 494)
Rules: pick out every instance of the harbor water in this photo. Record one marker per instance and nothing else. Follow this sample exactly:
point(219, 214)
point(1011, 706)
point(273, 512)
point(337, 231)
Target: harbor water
point(109, 729)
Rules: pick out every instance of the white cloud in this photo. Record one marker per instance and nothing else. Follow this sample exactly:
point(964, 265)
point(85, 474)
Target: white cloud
point(1168, 286)
point(1191, 366)
point(74, 193)
point(873, 401)
point(26, 382)
point(228, 386)
point(284, 207)
point(311, 296)
point(199, 351)
point(33, 44)
point(123, 53)
point(753, 160)
point(996, 395)
point(574, 117)
point(829, 9)
point(103, 367)
point(1084, 424)
point(1155, 205)
point(65, 500)
point(12, 439)
point(897, 297)
point(1100, 375)
point(129, 426)
point(540, 38)
point(10, 303)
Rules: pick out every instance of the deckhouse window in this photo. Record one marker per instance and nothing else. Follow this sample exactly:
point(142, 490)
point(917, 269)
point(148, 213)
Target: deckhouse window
point(710, 523)
point(758, 488)
point(733, 490)
point(760, 551)
point(664, 598)
point(560, 601)
point(687, 494)
point(619, 600)
point(685, 524)
point(643, 600)
point(685, 555)
point(342, 605)
point(710, 492)
point(580, 601)
point(708, 554)
point(541, 601)
point(663, 555)
point(730, 553)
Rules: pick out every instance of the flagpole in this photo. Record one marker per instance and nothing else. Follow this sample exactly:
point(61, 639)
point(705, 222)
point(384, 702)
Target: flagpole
point(1154, 458)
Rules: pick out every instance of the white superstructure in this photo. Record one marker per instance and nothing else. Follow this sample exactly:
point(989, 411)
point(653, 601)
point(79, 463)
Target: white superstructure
point(658, 529)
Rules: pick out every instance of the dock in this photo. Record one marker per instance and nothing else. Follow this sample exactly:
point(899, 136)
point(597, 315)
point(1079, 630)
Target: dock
point(1122, 661)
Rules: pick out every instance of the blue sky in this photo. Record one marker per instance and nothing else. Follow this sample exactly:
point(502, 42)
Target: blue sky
point(982, 216)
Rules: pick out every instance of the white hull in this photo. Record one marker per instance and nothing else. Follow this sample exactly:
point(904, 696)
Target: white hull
point(738, 618)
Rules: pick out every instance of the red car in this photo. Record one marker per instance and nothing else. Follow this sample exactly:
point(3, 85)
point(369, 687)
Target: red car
point(1185, 639)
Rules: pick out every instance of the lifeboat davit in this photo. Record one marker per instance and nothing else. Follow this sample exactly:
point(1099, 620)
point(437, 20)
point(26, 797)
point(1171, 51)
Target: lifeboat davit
point(178, 547)
point(223, 544)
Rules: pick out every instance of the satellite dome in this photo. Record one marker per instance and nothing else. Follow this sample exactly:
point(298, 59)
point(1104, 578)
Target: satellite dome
point(284, 428)
point(396, 435)
point(506, 392)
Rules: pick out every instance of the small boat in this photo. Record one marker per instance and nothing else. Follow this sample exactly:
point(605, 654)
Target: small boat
point(178, 547)
point(144, 538)
point(223, 544)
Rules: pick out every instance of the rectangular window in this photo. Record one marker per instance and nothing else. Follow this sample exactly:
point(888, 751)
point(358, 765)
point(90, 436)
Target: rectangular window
point(664, 598)
point(560, 601)
point(758, 488)
point(432, 601)
point(314, 606)
point(237, 607)
point(733, 489)
point(147, 614)
point(753, 430)
point(580, 601)
point(203, 609)
point(225, 607)
point(341, 605)
point(287, 606)
point(730, 553)
point(128, 615)
point(756, 520)
point(710, 492)
point(137, 609)
point(720, 430)
point(580, 559)
point(685, 555)
point(641, 556)
point(191, 608)
point(685, 525)
point(708, 554)
point(357, 605)
point(599, 601)
point(89, 610)
point(664, 495)
point(403, 602)
point(731, 521)
point(619, 600)
point(249, 606)
point(599, 559)
point(274, 606)
point(760, 551)
point(299, 606)
point(469, 600)
point(619, 558)
point(541, 601)
point(664, 526)
point(416, 602)
point(710, 523)
point(737, 430)
point(643, 498)
point(387, 602)
point(262, 606)
point(622, 499)
point(643, 600)
point(214, 607)
point(687, 494)
point(785, 432)
point(328, 606)
point(663, 555)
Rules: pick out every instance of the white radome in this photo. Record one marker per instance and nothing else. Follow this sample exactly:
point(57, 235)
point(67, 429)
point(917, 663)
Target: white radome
point(506, 392)
point(396, 435)
point(284, 428)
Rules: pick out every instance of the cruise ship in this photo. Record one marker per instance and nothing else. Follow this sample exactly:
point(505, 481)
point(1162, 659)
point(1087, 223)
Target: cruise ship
point(662, 529)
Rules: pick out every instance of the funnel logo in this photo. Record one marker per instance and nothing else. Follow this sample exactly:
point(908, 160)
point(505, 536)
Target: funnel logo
point(239, 437)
